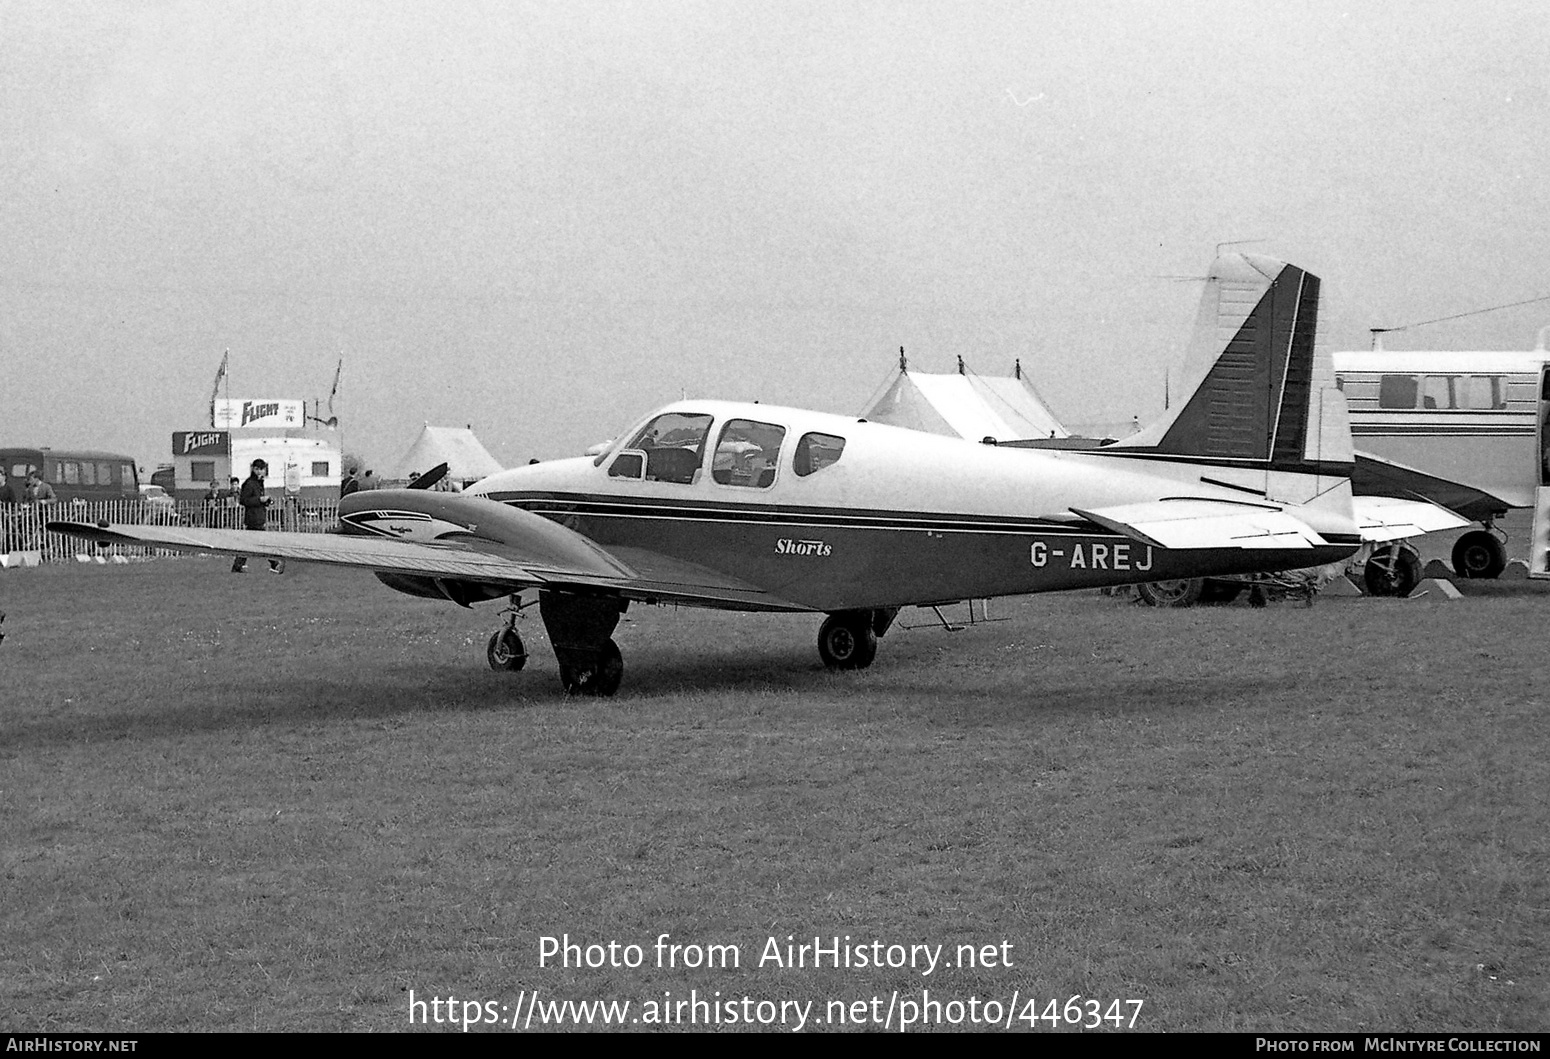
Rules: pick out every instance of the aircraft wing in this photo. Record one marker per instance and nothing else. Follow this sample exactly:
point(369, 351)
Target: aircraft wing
point(1375, 476)
point(1388, 518)
point(1201, 523)
point(497, 563)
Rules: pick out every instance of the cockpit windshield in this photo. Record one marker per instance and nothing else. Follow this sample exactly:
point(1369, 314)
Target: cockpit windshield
point(674, 446)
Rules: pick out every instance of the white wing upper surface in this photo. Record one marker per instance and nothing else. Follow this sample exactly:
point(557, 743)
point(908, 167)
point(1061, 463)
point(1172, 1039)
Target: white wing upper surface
point(1387, 518)
point(1200, 523)
point(643, 575)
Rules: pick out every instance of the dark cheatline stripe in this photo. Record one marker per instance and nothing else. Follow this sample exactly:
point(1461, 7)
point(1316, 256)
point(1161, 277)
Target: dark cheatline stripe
point(1429, 430)
point(604, 506)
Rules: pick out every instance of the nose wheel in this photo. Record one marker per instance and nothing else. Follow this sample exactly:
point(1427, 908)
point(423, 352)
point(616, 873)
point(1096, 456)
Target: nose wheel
point(505, 651)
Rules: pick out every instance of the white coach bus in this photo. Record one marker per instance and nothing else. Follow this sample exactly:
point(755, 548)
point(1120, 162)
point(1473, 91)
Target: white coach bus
point(1472, 417)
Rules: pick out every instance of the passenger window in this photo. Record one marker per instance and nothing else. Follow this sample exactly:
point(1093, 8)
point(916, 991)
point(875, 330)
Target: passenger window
point(815, 452)
point(72, 472)
point(746, 453)
point(1397, 391)
point(673, 446)
point(127, 478)
point(1481, 392)
point(104, 474)
point(89, 474)
point(1437, 392)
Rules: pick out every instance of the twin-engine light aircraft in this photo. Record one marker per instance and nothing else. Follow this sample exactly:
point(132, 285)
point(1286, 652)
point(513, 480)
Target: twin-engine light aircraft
point(753, 507)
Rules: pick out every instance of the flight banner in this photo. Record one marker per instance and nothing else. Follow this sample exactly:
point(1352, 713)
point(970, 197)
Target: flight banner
point(201, 443)
point(234, 414)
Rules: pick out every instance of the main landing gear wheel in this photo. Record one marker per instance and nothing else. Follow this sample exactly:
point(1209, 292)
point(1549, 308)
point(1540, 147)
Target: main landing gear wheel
point(846, 641)
point(505, 651)
point(1479, 554)
point(601, 678)
point(1392, 571)
point(1185, 593)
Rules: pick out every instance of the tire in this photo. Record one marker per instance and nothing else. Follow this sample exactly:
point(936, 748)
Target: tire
point(505, 652)
point(1183, 593)
point(846, 641)
point(1479, 554)
point(1392, 571)
point(601, 679)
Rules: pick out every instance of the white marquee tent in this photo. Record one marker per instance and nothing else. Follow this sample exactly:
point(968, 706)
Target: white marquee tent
point(466, 458)
point(965, 405)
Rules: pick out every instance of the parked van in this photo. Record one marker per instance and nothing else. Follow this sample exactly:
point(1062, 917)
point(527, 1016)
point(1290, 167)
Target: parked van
point(1481, 418)
point(77, 474)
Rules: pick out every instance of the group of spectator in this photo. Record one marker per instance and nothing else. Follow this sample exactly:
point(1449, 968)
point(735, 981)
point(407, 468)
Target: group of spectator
point(30, 490)
point(354, 482)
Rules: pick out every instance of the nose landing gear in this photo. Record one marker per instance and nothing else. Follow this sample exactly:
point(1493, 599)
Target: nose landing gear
point(505, 652)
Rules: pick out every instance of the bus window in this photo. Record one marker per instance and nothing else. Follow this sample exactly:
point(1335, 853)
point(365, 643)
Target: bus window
point(89, 474)
point(815, 452)
point(128, 479)
point(746, 453)
point(1437, 392)
point(1482, 392)
point(70, 472)
point(1397, 391)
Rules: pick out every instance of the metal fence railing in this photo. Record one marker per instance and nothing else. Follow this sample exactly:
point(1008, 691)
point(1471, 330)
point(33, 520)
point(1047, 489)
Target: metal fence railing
point(23, 527)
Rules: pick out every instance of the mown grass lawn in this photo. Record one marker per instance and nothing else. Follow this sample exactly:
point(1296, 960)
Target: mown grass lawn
point(285, 802)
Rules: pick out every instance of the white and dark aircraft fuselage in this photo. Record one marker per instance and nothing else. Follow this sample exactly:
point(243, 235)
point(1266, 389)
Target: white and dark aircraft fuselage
point(753, 507)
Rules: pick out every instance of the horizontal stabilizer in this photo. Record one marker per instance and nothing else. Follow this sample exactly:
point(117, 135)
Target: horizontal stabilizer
point(1376, 476)
point(1199, 523)
point(1388, 518)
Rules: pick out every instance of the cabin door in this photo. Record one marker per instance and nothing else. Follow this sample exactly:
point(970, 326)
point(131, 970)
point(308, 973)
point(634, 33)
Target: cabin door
point(1539, 549)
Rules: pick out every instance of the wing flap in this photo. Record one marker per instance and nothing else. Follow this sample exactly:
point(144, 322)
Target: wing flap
point(1200, 523)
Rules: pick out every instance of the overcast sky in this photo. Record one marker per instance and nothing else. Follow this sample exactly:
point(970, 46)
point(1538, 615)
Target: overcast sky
point(546, 219)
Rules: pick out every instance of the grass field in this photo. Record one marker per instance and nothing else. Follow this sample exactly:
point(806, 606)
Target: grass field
point(287, 802)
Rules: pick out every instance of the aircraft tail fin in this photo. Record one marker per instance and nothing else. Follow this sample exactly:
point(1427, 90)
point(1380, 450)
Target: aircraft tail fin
point(1261, 396)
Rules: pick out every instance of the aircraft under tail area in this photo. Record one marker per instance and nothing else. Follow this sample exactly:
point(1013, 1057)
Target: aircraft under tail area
point(753, 507)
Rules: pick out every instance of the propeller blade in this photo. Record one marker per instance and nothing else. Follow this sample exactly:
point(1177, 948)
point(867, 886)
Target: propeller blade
point(430, 477)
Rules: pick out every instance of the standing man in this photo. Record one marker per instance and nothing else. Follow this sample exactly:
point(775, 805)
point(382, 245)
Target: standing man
point(212, 504)
point(39, 491)
point(255, 513)
point(349, 485)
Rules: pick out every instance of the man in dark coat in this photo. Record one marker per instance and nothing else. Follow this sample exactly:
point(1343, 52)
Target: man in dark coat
point(349, 485)
point(255, 513)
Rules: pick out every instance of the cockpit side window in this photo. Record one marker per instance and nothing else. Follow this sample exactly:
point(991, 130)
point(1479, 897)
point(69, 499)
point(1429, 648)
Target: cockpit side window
point(673, 446)
point(815, 451)
point(747, 453)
